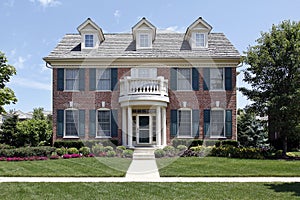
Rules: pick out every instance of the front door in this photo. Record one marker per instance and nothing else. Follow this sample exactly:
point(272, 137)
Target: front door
point(144, 129)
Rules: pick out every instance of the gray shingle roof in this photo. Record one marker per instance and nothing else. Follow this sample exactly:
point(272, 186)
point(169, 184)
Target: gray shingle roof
point(166, 45)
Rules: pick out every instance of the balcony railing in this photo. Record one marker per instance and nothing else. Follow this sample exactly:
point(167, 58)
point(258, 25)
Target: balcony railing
point(143, 86)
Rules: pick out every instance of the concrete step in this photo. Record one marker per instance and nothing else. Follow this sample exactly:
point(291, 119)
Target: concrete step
point(143, 154)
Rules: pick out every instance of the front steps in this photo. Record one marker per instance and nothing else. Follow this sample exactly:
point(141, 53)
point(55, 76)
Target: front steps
point(144, 154)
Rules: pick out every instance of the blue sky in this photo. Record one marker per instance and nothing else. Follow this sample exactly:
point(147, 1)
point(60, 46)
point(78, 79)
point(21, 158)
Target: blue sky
point(30, 29)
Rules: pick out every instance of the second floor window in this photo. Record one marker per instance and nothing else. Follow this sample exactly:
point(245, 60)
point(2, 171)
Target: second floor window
point(72, 79)
point(89, 40)
point(184, 79)
point(217, 79)
point(103, 79)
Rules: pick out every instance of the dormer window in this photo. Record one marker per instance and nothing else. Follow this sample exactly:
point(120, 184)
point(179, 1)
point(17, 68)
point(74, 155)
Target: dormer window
point(144, 40)
point(200, 40)
point(89, 40)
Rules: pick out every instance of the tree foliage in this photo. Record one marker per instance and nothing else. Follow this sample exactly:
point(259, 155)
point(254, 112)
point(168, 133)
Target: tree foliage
point(9, 132)
point(251, 131)
point(7, 95)
point(273, 71)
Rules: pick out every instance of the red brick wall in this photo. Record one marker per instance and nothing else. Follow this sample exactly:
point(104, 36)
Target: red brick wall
point(88, 100)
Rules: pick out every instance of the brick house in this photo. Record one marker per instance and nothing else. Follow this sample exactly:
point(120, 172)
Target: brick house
point(146, 87)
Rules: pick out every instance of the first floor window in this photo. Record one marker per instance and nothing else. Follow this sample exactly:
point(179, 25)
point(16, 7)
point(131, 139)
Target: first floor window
point(72, 117)
point(217, 123)
point(89, 41)
point(184, 79)
point(104, 123)
point(184, 123)
point(72, 79)
point(103, 79)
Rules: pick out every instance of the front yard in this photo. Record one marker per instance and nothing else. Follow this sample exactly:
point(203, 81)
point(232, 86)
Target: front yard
point(155, 191)
point(76, 167)
point(226, 167)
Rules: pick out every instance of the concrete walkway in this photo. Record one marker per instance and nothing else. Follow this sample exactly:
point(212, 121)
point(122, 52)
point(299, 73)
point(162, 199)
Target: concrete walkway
point(158, 180)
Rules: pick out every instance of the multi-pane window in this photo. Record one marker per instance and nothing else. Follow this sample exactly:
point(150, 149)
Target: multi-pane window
point(184, 79)
point(217, 120)
point(104, 123)
point(200, 40)
point(71, 122)
point(72, 79)
point(144, 40)
point(103, 79)
point(89, 40)
point(184, 123)
point(217, 79)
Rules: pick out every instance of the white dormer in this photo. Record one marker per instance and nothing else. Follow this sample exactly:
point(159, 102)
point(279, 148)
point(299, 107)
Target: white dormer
point(91, 34)
point(144, 34)
point(197, 34)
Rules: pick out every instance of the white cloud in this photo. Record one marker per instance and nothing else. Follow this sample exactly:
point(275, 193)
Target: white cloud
point(19, 64)
point(47, 3)
point(117, 15)
point(28, 83)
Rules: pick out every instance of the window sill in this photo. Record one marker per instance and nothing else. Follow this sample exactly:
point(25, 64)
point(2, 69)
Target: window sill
point(185, 137)
point(102, 90)
point(71, 137)
point(103, 137)
point(71, 91)
point(217, 137)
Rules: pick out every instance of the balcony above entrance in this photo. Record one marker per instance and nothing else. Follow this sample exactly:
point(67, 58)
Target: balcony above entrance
point(139, 90)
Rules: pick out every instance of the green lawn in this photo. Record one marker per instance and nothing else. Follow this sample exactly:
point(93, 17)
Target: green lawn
point(226, 167)
point(88, 167)
point(149, 191)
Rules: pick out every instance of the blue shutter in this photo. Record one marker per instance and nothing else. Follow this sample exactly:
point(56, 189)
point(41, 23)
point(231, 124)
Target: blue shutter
point(60, 79)
point(228, 78)
point(114, 123)
point(81, 79)
point(173, 79)
point(92, 124)
point(228, 125)
point(60, 123)
point(92, 75)
point(81, 125)
point(206, 123)
point(114, 78)
point(195, 79)
point(173, 124)
point(206, 78)
point(195, 122)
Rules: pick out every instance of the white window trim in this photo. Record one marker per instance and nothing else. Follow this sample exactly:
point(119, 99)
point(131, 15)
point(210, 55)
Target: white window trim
point(185, 109)
point(97, 79)
point(65, 119)
point(65, 80)
point(95, 40)
point(138, 40)
point(224, 124)
point(210, 88)
point(193, 40)
point(103, 109)
point(191, 80)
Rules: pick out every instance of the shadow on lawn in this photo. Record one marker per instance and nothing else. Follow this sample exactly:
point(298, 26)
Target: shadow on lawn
point(286, 187)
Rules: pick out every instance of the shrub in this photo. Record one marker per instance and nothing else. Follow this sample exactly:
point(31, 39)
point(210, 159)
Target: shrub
point(291, 155)
point(97, 149)
point(169, 150)
point(72, 150)
point(108, 148)
point(111, 153)
point(159, 153)
point(233, 143)
point(181, 148)
point(127, 153)
point(27, 152)
point(61, 151)
point(6, 146)
point(85, 151)
point(68, 144)
point(54, 157)
point(187, 142)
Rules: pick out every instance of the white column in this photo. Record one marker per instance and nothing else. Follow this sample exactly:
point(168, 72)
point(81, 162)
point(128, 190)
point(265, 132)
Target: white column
point(129, 126)
point(124, 126)
point(164, 126)
point(158, 126)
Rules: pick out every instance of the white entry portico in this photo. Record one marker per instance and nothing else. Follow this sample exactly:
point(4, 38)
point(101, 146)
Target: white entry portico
point(143, 103)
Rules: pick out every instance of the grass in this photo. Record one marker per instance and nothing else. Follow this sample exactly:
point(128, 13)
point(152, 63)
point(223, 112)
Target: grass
point(226, 167)
point(84, 167)
point(149, 191)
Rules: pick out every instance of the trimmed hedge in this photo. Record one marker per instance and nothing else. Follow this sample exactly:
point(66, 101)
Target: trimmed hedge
point(197, 142)
point(84, 143)
point(23, 152)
